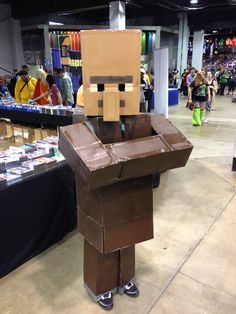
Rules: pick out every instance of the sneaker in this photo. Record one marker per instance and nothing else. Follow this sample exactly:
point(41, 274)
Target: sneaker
point(205, 121)
point(106, 301)
point(131, 290)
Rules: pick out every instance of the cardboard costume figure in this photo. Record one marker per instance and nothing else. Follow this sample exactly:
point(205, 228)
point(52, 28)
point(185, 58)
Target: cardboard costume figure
point(114, 154)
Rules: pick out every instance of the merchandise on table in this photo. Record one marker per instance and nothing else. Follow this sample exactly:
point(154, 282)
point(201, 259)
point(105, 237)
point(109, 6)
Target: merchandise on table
point(18, 163)
point(21, 171)
point(10, 177)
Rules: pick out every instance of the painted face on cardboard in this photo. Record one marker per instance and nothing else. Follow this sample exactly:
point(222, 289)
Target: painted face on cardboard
point(111, 72)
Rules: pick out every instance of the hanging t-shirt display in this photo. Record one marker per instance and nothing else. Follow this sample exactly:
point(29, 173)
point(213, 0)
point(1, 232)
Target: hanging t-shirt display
point(228, 43)
point(234, 45)
point(215, 47)
point(208, 47)
point(221, 45)
point(143, 43)
point(211, 50)
point(190, 48)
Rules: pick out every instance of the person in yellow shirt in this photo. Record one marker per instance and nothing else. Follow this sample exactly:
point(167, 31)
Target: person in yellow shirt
point(25, 87)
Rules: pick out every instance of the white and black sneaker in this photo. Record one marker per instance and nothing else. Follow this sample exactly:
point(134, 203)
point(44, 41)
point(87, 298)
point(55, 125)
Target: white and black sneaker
point(131, 290)
point(106, 301)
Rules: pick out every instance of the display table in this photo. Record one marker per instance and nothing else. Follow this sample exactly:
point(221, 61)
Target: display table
point(35, 214)
point(173, 97)
point(35, 118)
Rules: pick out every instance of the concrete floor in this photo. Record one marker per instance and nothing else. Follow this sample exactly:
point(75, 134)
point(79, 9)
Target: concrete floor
point(188, 268)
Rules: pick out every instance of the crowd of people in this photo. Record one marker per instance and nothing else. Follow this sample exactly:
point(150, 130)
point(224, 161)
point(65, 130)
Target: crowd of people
point(42, 89)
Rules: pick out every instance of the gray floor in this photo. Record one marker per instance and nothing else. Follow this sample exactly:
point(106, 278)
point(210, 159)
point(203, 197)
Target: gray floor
point(189, 267)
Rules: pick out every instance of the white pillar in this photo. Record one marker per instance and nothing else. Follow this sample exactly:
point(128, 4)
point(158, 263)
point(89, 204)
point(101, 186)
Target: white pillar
point(172, 60)
point(117, 14)
point(161, 57)
point(198, 37)
point(48, 54)
point(182, 60)
point(158, 37)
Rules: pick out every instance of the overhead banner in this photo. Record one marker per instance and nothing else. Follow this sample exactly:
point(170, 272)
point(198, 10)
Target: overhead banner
point(161, 68)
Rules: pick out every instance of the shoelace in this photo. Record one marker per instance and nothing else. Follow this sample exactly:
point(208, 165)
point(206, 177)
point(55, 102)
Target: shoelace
point(129, 285)
point(105, 296)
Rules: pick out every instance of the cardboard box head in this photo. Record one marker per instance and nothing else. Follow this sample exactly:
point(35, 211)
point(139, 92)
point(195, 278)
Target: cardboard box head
point(111, 72)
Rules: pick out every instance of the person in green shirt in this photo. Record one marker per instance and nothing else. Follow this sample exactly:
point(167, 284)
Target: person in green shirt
point(223, 80)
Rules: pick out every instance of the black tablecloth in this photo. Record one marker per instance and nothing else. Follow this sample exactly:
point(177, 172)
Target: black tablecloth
point(36, 118)
point(34, 214)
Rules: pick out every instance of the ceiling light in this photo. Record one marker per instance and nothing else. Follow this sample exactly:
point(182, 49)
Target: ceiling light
point(55, 23)
point(193, 1)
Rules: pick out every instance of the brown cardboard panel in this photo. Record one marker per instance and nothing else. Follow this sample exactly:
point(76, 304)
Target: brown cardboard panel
point(142, 166)
point(115, 236)
point(91, 230)
point(79, 135)
point(138, 126)
point(95, 156)
point(140, 156)
point(180, 151)
point(101, 271)
point(175, 159)
point(104, 164)
point(128, 233)
point(111, 105)
point(91, 161)
point(117, 55)
point(162, 126)
point(174, 138)
point(127, 265)
point(138, 148)
point(107, 132)
point(78, 118)
point(117, 202)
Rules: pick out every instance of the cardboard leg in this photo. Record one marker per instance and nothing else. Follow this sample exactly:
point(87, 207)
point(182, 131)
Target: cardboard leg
point(127, 265)
point(100, 271)
point(107, 272)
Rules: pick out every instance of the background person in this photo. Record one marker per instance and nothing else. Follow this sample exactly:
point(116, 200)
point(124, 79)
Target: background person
point(66, 87)
point(143, 84)
point(25, 87)
point(54, 93)
point(223, 79)
point(12, 83)
point(41, 89)
point(199, 93)
point(213, 85)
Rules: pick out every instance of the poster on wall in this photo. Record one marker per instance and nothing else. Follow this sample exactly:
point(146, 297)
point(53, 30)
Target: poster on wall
point(33, 47)
point(65, 48)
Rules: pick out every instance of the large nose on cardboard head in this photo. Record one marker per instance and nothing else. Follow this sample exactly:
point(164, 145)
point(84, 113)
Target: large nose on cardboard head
point(111, 105)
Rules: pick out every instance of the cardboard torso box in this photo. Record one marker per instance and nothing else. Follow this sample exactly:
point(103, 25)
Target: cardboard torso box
point(116, 216)
point(114, 186)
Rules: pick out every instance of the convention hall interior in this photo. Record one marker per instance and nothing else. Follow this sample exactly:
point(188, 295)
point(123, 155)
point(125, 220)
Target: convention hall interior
point(173, 184)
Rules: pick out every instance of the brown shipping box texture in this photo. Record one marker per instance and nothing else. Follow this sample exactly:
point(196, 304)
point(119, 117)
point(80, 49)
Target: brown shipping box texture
point(101, 164)
point(111, 71)
point(119, 265)
point(117, 215)
point(113, 180)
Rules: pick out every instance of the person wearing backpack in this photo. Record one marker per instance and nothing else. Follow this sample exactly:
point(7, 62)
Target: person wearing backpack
point(25, 87)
